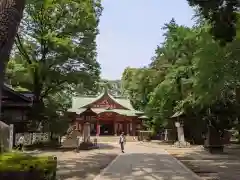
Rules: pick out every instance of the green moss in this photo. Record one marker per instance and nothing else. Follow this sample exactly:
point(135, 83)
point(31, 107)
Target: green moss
point(16, 161)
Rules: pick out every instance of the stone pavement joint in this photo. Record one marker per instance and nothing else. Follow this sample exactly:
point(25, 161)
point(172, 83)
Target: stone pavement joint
point(146, 162)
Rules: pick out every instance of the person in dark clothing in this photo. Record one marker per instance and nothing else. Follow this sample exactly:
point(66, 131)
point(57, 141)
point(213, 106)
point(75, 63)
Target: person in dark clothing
point(122, 141)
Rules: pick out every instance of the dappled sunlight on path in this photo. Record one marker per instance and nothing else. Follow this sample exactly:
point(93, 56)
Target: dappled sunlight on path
point(145, 162)
point(224, 166)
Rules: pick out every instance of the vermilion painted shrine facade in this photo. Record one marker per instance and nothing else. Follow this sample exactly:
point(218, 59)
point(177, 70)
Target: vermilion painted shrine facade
point(106, 114)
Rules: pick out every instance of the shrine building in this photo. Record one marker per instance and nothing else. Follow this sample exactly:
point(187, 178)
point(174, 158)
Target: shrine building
point(106, 114)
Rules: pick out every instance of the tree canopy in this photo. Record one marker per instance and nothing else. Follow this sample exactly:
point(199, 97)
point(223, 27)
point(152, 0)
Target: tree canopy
point(55, 53)
point(222, 16)
point(191, 73)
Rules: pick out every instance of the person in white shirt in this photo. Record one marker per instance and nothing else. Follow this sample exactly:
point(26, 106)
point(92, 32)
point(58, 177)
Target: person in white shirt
point(122, 141)
point(21, 142)
point(79, 140)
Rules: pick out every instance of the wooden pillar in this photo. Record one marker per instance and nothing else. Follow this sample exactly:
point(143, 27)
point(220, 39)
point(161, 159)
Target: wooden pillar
point(127, 128)
point(115, 127)
point(133, 128)
point(121, 129)
point(81, 125)
point(130, 128)
point(97, 128)
point(76, 125)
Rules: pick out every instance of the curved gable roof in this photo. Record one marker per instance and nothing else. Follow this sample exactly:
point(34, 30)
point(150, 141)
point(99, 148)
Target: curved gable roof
point(80, 102)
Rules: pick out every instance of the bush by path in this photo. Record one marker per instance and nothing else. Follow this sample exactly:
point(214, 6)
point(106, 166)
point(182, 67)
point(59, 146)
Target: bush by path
point(19, 166)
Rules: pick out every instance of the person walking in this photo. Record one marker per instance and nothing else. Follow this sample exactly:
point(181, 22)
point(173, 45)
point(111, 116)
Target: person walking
point(21, 142)
point(122, 141)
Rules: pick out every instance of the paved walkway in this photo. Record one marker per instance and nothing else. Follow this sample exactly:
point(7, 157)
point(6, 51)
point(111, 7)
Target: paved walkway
point(143, 161)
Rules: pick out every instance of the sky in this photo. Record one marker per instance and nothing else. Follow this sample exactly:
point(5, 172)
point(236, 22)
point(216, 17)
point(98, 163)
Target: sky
point(130, 31)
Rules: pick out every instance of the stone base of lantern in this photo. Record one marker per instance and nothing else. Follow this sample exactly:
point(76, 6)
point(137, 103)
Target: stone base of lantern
point(87, 146)
point(214, 149)
point(180, 144)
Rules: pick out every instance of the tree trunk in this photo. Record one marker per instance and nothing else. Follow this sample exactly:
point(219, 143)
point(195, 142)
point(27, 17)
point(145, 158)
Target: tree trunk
point(51, 136)
point(213, 142)
point(237, 91)
point(2, 67)
point(11, 12)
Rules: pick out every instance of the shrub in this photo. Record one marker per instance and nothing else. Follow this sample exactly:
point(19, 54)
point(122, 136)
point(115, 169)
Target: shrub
point(19, 166)
point(43, 145)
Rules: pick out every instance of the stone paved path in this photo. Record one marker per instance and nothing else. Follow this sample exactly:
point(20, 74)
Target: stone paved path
point(143, 161)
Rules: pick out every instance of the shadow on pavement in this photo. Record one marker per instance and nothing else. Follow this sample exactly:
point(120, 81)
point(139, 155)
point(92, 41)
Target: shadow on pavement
point(104, 146)
point(85, 168)
point(223, 166)
point(149, 166)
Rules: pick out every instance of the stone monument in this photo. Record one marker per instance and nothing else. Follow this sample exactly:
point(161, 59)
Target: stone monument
point(5, 139)
point(166, 135)
point(86, 132)
point(86, 144)
point(180, 130)
point(181, 138)
point(11, 136)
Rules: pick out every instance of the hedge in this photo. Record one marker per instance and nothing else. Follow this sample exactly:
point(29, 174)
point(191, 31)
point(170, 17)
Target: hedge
point(20, 166)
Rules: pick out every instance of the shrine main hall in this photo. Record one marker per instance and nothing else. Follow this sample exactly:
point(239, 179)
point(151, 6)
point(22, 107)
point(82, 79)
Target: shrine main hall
point(106, 114)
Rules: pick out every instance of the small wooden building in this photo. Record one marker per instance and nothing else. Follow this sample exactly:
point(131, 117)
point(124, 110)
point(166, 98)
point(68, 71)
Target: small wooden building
point(15, 108)
point(107, 115)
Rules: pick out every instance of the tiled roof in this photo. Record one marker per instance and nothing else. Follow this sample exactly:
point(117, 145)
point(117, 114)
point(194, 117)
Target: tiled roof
point(101, 110)
point(143, 117)
point(11, 90)
point(79, 102)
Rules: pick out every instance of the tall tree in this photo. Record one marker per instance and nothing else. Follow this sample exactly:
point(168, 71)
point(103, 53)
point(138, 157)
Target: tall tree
point(10, 16)
point(138, 83)
point(174, 59)
point(56, 47)
point(222, 15)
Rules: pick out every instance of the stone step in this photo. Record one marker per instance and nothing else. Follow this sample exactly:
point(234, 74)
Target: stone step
point(69, 143)
point(72, 141)
point(115, 138)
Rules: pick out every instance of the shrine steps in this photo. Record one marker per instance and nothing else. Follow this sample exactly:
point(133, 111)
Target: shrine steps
point(72, 140)
point(114, 138)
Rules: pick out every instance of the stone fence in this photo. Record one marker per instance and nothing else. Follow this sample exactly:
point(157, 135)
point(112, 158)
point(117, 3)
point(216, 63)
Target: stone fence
point(31, 138)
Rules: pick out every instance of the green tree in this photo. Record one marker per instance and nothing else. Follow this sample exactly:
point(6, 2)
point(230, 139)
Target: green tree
point(56, 48)
point(199, 77)
point(222, 15)
point(216, 83)
point(138, 83)
point(56, 120)
point(174, 59)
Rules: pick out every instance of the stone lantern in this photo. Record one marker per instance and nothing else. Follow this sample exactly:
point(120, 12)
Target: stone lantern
point(86, 132)
point(180, 130)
